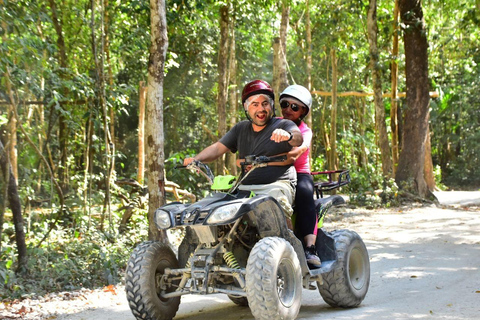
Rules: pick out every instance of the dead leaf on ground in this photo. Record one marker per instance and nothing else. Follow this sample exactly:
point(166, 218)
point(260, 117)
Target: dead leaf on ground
point(22, 310)
point(110, 288)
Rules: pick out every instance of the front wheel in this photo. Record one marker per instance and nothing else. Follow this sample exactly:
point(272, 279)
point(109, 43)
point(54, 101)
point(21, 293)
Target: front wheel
point(274, 280)
point(145, 269)
point(347, 284)
point(238, 300)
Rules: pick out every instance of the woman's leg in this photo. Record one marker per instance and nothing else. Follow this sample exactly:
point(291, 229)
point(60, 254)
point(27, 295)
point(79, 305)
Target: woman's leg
point(305, 206)
point(306, 219)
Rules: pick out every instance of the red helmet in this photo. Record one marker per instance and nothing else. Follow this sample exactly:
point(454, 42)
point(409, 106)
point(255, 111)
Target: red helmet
point(257, 87)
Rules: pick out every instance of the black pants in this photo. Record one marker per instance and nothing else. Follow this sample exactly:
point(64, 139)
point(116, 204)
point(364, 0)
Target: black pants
point(306, 217)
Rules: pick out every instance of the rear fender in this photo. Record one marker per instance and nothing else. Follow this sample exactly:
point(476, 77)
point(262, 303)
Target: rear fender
point(322, 206)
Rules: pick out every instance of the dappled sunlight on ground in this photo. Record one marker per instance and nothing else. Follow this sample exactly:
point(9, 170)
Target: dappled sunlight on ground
point(425, 264)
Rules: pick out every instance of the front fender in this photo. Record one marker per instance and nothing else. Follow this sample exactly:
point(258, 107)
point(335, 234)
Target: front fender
point(268, 217)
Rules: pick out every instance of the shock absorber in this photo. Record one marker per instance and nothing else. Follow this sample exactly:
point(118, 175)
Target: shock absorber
point(230, 260)
point(188, 264)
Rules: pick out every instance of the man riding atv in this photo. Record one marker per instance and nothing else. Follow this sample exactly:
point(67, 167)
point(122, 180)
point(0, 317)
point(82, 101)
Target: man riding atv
point(262, 135)
point(237, 240)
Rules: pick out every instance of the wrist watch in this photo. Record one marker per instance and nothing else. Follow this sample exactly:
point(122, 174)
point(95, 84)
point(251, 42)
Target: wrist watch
point(291, 136)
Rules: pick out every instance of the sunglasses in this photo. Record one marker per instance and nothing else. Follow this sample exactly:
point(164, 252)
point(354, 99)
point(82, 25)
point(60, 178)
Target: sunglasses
point(285, 104)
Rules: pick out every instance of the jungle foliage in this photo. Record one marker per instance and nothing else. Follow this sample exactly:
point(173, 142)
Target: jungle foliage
point(57, 61)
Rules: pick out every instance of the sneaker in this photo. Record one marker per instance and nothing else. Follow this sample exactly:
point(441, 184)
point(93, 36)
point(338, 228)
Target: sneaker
point(312, 258)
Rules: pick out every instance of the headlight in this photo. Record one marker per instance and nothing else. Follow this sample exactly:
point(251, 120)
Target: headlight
point(162, 219)
point(224, 213)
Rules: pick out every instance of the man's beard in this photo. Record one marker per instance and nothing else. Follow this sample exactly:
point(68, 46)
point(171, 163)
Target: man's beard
point(262, 122)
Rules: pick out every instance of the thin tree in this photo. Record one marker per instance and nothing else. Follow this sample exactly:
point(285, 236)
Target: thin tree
point(381, 127)
point(12, 122)
point(88, 164)
point(154, 115)
point(63, 129)
point(99, 59)
point(332, 151)
point(394, 98)
point(232, 93)
point(142, 91)
point(15, 206)
point(61, 198)
point(308, 31)
point(222, 79)
point(428, 167)
point(106, 18)
point(280, 80)
point(410, 174)
point(108, 114)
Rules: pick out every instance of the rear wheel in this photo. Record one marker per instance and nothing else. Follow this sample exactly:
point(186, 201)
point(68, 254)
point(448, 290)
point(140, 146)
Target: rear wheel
point(274, 280)
point(347, 284)
point(145, 269)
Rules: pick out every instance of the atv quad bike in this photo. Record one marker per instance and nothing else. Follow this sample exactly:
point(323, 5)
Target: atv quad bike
point(238, 244)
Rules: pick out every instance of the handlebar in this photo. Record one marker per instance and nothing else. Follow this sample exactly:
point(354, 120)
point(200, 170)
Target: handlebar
point(200, 168)
point(252, 159)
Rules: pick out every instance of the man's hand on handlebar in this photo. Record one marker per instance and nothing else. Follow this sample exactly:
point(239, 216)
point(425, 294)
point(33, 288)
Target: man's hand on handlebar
point(278, 160)
point(187, 161)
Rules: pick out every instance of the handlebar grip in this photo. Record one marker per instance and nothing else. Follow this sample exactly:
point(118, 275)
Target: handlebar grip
point(263, 159)
point(277, 158)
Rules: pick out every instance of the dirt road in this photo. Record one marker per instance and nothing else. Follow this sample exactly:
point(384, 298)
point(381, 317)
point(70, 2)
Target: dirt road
point(425, 264)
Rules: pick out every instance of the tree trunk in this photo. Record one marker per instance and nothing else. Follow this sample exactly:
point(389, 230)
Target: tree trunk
point(323, 122)
point(12, 122)
point(276, 67)
point(62, 122)
point(155, 162)
point(88, 164)
point(99, 58)
point(332, 155)
point(54, 221)
point(233, 96)
point(280, 81)
point(141, 132)
point(361, 148)
point(40, 108)
point(15, 206)
point(394, 99)
point(410, 177)
point(222, 81)
point(381, 127)
point(3, 190)
point(308, 31)
point(109, 110)
point(428, 168)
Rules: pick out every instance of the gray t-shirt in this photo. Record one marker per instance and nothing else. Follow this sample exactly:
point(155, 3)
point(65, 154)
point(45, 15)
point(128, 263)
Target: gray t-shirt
point(247, 142)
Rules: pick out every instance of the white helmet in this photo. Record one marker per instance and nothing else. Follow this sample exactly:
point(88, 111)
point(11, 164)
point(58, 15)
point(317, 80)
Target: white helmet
point(300, 93)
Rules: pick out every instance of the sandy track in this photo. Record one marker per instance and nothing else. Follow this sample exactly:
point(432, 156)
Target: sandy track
point(425, 264)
